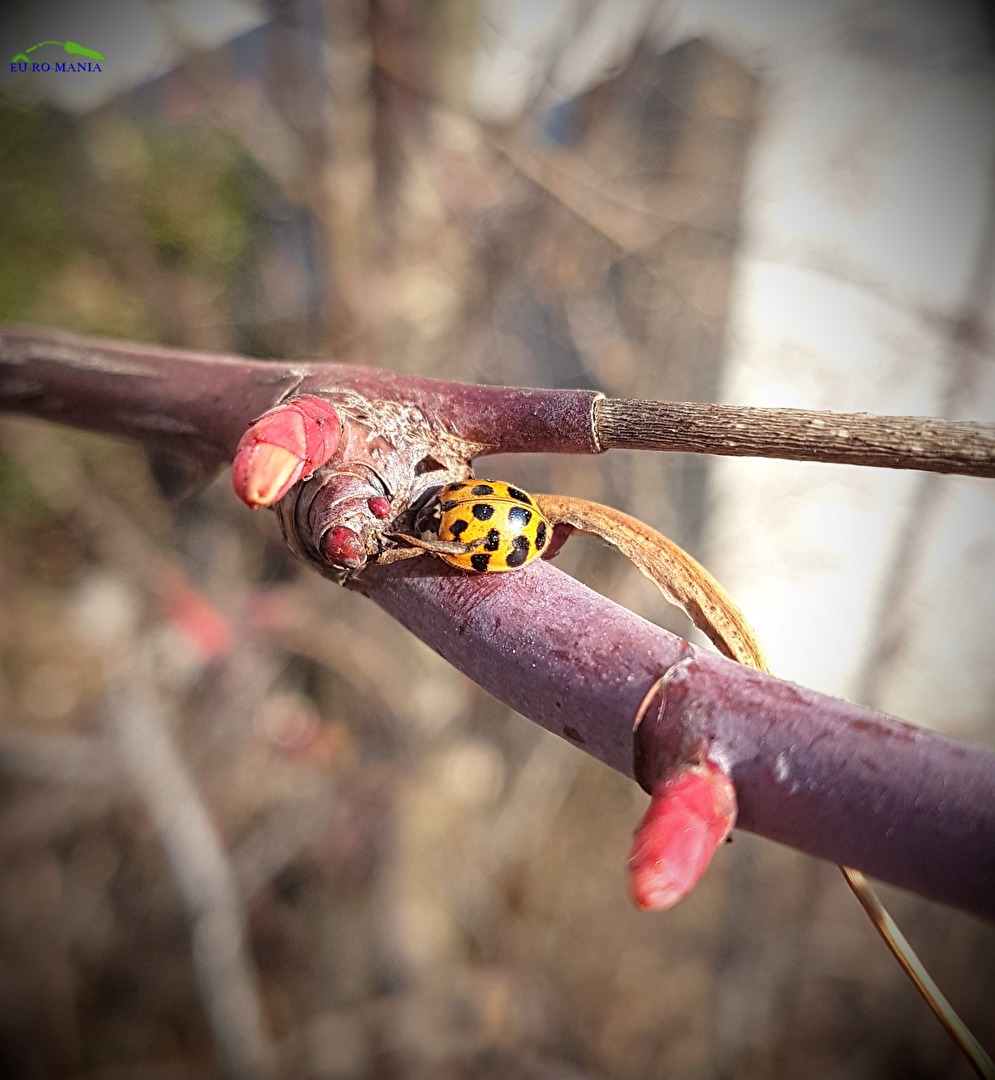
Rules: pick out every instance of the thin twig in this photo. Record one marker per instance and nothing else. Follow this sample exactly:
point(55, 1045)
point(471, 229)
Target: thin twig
point(67, 759)
point(203, 873)
point(890, 442)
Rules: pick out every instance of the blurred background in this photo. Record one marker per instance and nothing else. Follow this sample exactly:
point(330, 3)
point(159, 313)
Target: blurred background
point(248, 826)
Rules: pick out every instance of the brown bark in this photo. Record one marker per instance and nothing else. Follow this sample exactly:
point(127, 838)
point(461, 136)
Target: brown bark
point(890, 442)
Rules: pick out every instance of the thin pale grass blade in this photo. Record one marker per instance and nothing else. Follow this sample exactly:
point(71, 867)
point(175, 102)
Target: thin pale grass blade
point(914, 968)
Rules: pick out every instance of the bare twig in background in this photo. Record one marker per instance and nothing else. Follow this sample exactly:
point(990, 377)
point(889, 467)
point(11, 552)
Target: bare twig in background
point(346, 133)
point(203, 873)
point(894, 618)
point(630, 228)
point(287, 830)
point(69, 759)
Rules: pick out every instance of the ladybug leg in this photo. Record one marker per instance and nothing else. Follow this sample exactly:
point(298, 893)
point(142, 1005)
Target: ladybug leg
point(435, 547)
point(385, 558)
point(560, 535)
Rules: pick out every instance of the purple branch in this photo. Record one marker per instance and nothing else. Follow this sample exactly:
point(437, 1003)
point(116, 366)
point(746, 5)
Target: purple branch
point(830, 778)
point(199, 404)
point(822, 775)
point(195, 403)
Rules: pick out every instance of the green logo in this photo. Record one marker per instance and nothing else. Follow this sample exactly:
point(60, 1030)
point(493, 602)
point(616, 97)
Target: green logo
point(87, 59)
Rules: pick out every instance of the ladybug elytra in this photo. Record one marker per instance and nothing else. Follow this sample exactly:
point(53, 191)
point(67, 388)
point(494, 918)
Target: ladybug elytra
point(500, 525)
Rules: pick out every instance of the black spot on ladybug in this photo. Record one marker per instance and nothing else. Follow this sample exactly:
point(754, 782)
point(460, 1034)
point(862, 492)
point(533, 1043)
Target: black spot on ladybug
point(481, 489)
point(520, 551)
point(456, 487)
point(449, 504)
point(458, 527)
point(492, 541)
point(479, 562)
point(517, 493)
point(519, 517)
point(482, 511)
point(540, 536)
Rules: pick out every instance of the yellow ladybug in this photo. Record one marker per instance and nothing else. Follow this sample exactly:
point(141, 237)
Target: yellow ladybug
point(501, 525)
point(485, 525)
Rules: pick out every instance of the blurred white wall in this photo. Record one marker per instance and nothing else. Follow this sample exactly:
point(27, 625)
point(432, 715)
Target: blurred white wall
point(868, 228)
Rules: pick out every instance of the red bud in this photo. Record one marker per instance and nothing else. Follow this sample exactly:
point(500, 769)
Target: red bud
point(283, 446)
point(692, 810)
point(344, 547)
point(379, 506)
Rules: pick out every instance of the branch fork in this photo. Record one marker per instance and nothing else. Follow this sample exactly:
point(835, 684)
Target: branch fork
point(832, 779)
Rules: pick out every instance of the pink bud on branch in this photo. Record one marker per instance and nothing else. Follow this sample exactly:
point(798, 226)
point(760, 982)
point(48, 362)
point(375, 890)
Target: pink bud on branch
point(284, 445)
point(692, 810)
point(344, 547)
